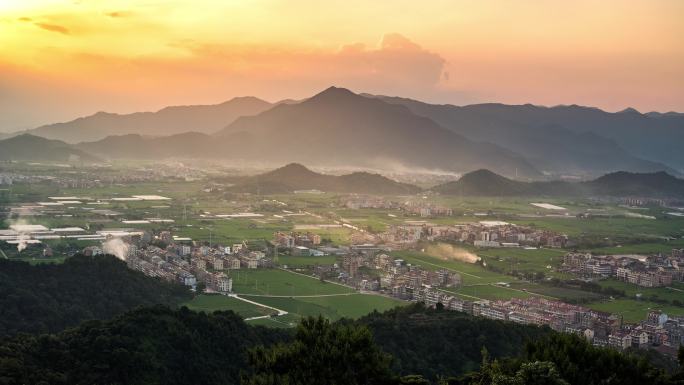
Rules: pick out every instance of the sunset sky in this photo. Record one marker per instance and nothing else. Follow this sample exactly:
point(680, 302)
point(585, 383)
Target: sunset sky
point(64, 59)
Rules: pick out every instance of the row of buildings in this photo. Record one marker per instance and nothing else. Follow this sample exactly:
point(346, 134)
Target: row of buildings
point(479, 234)
point(643, 270)
point(658, 330)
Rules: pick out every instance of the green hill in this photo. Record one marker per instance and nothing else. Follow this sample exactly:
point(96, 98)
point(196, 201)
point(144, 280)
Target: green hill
point(47, 298)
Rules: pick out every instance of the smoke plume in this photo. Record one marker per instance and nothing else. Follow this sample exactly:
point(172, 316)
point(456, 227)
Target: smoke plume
point(116, 247)
point(22, 237)
point(448, 252)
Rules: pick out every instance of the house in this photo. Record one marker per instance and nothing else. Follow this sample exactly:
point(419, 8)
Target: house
point(620, 340)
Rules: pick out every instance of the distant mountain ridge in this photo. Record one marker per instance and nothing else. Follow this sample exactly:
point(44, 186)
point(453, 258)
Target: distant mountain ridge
point(167, 121)
point(27, 147)
point(567, 139)
point(294, 176)
point(618, 184)
point(339, 127)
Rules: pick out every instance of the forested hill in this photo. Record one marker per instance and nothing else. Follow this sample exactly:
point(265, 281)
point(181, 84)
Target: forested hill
point(49, 297)
point(159, 345)
point(447, 343)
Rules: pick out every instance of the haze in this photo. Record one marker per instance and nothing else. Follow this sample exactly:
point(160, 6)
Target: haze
point(64, 59)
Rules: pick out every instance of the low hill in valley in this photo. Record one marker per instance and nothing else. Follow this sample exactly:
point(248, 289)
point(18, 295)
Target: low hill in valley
point(294, 177)
point(34, 148)
point(620, 184)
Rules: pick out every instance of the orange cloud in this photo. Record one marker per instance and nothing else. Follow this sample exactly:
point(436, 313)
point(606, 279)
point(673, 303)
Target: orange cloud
point(53, 28)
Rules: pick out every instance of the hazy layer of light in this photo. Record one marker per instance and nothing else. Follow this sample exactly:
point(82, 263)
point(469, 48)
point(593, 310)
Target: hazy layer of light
point(61, 59)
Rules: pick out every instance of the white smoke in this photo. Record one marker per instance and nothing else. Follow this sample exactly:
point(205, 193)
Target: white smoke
point(23, 242)
point(116, 247)
point(447, 252)
point(22, 237)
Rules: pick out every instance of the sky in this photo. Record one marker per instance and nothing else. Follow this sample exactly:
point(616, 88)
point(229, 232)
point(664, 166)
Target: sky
point(63, 59)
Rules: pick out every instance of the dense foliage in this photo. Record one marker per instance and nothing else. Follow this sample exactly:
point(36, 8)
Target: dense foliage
point(154, 345)
point(321, 353)
point(439, 342)
point(568, 359)
point(159, 345)
point(50, 297)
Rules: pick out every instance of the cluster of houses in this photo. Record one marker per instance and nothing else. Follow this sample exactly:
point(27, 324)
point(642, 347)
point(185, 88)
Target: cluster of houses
point(410, 207)
point(299, 244)
point(187, 264)
point(643, 270)
point(367, 270)
point(479, 234)
point(658, 330)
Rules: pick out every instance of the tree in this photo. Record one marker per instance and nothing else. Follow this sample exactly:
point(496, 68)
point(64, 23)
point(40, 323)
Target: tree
point(321, 353)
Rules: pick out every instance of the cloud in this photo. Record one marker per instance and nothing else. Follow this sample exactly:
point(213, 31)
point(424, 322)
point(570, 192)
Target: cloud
point(53, 28)
point(119, 14)
point(397, 61)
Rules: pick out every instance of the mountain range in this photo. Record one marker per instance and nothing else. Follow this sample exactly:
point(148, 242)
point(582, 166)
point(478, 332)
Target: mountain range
point(167, 121)
point(340, 128)
point(567, 139)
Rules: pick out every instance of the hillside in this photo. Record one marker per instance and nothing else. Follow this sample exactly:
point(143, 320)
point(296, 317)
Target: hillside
point(619, 184)
point(567, 139)
point(29, 147)
point(167, 121)
point(297, 177)
point(48, 298)
point(162, 346)
point(135, 146)
point(338, 127)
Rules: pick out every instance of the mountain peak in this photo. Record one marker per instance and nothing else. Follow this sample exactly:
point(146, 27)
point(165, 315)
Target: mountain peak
point(630, 110)
point(334, 94)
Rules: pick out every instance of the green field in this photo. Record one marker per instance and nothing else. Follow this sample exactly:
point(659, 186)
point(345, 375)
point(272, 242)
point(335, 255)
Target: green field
point(353, 305)
point(634, 311)
point(292, 261)
point(675, 292)
point(520, 259)
point(280, 282)
point(213, 302)
point(664, 247)
point(471, 273)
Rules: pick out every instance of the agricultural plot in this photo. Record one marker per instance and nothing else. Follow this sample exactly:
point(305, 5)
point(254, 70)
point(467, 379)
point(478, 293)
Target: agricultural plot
point(280, 282)
point(294, 261)
point(634, 311)
point(619, 228)
point(487, 291)
point(351, 305)
point(674, 292)
point(520, 259)
point(665, 247)
point(212, 302)
point(471, 273)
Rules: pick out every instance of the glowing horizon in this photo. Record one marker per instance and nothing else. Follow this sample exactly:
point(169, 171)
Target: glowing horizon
point(64, 59)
